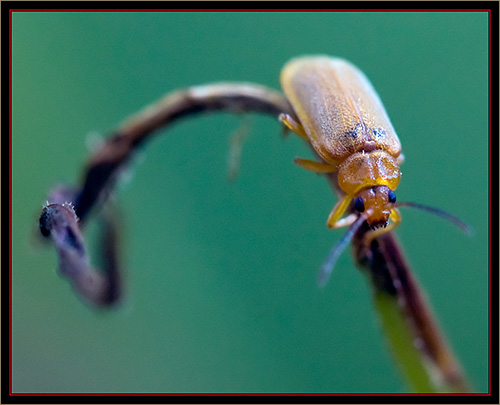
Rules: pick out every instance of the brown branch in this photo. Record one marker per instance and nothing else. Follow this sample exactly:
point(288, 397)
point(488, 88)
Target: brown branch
point(62, 223)
point(383, 259)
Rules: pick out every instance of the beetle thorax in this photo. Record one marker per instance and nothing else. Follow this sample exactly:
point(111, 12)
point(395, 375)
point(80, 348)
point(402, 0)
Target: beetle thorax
point(368, 169)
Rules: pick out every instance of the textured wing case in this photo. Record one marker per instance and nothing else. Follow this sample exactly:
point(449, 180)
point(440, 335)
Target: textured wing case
point(338, 108)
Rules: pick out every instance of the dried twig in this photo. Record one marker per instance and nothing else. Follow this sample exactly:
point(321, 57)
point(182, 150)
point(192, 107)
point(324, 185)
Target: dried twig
point(382, 259)
point(62, 221)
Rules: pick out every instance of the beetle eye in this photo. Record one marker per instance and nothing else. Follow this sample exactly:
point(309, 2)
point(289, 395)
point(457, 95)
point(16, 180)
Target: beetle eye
point(359, 205)
point(392, 196)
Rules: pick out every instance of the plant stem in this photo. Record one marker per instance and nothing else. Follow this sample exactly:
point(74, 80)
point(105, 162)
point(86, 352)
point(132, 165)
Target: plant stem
point(419, 348)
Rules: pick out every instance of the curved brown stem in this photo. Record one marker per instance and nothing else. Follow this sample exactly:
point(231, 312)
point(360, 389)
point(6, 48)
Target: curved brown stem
point(63, 223)
point(383, 259)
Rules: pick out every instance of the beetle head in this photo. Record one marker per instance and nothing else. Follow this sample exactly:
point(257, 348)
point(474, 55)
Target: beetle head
point(377, 202)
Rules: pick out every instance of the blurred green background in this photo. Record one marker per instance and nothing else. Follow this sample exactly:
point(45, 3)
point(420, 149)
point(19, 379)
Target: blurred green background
point(221, 277)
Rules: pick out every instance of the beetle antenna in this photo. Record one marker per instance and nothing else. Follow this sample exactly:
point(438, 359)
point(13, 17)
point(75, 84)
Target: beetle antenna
point(339, 247)
point(440, 213)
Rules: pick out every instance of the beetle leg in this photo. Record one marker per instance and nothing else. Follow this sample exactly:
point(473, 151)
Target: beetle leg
point(294, 126)
point(334, 220)
point(347, 221)
point(318, 167)
point(396, 220)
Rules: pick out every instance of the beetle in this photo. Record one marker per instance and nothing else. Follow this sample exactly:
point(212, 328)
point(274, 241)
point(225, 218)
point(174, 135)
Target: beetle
point(341, 115)
point(343, 118)
point(329, 103)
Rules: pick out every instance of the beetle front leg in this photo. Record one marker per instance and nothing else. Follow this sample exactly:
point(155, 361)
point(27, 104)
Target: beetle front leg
point(334, 219)
point(396, 220)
